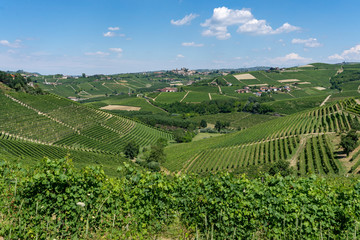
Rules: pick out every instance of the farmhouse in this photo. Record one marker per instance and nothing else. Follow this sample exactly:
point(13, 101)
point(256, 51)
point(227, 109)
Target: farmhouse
point(168, 89)
point(258, 94)
point(264, 89)
point(242, 91)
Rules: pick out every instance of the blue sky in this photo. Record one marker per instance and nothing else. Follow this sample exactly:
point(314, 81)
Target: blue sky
point(116, 36)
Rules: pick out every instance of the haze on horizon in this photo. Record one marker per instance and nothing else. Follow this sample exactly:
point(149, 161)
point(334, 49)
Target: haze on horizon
point(116, 36)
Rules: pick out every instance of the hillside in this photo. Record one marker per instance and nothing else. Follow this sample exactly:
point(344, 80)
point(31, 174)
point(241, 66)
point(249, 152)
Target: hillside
point(52, 126)
point(306, 139)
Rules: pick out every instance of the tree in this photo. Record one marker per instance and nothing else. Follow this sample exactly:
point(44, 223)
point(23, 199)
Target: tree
point(83, 75)
point(282, 167)
point(203, 123)
point(156, 154)
point(131, 150)
point(181, 136)
point(219, 125)
point(349, 141)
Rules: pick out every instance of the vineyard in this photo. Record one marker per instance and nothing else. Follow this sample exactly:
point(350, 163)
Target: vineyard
point(54, 200)
point(302, 138)
point(54, 121)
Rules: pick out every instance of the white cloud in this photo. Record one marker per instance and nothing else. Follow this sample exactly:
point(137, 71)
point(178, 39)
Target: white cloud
point(192, 44)
point(98, 53)
point(335, 57)
point(185, 20)
point(291, 58)
point(117, 50)
point(109, 34)
point(224, 17)
point(310, 42)
point(180, 56)
point(15, 44)
point(113, 28)
point(352, 54)
point(237, 58)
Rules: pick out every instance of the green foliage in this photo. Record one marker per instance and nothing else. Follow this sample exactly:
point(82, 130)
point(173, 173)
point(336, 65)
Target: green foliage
point(54, 200)
point(349, 141)
point(131, 150)
point(156, 154)
point(281, 167)
point(344, 77)
point(203, 123)
point(220, 125)
point(182, 136)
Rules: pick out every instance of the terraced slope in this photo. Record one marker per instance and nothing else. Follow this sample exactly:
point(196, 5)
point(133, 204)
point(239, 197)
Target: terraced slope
point(293, 138)
point(56, 121)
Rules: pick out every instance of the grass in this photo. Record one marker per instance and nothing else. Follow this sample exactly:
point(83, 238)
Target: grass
point(170, 97)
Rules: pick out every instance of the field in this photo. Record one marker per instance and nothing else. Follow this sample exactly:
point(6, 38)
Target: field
point(304, 139)
point(62, 125)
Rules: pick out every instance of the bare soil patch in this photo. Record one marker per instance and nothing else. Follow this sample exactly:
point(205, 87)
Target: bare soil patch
point(255, 85)
point(289, 80)
point(121, 107)
point(308, 65)
point(320, 88)
point(304, 83)
point(244, 76)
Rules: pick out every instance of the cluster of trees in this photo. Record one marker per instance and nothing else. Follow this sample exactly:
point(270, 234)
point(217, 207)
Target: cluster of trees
point(346, 76)
point(183, 136)
point(220, 125)
point(152, 158)
point(349, 141)
point(19, 83)
point(164, 120)
point(254, 105)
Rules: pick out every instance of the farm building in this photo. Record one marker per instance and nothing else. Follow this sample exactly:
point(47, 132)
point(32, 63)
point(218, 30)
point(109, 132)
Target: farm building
point(264, 89)
point(242, 91)
point(168, 89)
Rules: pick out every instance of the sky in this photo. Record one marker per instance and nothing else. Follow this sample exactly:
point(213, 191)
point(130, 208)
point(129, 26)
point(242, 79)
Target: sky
point(120, 36)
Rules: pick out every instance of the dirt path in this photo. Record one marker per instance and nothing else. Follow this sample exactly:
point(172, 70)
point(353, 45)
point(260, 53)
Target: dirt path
point(357, 100)
point(210, 96)
point(157, 97)
point(291, 95)
point(326, 99)
point(154, 105)
point(219, 89)
point(298, 151)
point(184, 96)
point(189, 163)
point(107, 87)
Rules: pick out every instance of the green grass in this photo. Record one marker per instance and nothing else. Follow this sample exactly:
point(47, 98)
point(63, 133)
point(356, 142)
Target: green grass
point(170, 97)
point(197, 97)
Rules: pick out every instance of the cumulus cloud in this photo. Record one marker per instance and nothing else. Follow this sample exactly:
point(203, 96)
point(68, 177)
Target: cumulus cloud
point(185, 20)
point(310, 42)
point(109, 34)
point(113, 28)
point(291, 58)
point(98, 53)
point(180, 56)
point(15, 44)
point(192, 44)
point(352, 54)
point(224, 17)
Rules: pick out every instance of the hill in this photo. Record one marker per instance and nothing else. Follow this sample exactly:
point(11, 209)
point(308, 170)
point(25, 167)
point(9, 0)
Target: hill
point(309, 140)
point(49, 125)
